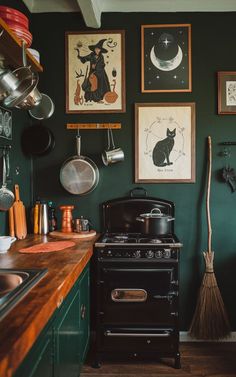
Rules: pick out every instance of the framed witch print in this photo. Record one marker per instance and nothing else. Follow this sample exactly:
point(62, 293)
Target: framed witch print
point(95, 71)
point(226, 92)
point(165, 142)
point(166, 58)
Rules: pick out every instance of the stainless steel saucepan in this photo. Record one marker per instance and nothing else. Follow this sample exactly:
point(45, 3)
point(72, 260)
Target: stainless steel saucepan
point(79, 175)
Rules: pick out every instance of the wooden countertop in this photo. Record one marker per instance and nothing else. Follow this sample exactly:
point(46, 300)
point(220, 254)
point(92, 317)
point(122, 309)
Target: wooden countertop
point(21, 326)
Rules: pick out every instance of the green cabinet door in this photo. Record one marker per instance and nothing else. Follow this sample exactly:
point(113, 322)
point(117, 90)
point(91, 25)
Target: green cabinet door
point(84, 314)
point(62, 346)
point(39, 361)
point(67, 336)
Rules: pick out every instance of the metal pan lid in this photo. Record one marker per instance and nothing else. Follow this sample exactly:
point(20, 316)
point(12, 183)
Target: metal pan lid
point(155, 213)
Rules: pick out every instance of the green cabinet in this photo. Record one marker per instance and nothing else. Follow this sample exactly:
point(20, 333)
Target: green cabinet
point(39, 361)
point(61, 348)
point(84, 315)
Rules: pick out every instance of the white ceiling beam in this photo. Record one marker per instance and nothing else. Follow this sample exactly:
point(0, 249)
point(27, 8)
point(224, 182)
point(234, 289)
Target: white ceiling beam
point(29, 4)
point(43, 6)
point(91, 11)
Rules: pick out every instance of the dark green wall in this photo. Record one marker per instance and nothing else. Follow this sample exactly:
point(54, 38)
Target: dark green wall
point(212, 50)
point(20, 119)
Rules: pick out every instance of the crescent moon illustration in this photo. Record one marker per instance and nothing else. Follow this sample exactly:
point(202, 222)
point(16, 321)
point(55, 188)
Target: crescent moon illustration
point(166, 65)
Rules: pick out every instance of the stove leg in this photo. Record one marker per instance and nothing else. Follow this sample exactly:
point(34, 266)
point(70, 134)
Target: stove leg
point(96, 362)
point(177, 361)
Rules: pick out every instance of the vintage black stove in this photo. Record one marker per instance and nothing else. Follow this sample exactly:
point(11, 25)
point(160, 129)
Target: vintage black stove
point(137, 284)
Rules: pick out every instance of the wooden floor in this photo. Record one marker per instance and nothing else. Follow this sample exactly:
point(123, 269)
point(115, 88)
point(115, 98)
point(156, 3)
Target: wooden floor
point(197, 360)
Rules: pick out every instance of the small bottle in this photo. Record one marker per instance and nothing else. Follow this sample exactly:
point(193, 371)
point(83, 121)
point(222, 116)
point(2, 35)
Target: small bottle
point(52, 220)
point(36, 217)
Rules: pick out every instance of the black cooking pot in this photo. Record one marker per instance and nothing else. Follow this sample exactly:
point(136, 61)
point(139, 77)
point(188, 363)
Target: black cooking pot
point(155, 222)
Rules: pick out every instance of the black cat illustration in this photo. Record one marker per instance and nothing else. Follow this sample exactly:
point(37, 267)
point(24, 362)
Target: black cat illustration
point(161, 151)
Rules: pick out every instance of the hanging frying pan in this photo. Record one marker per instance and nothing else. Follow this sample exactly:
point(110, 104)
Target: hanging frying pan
point(37, 140)
point(79, 175)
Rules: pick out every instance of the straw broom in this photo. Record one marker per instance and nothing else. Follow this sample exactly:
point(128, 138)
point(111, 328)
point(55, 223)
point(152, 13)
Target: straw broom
point(210, 320)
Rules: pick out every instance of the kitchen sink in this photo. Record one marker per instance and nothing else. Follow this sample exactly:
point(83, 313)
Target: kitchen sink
point(14, 284)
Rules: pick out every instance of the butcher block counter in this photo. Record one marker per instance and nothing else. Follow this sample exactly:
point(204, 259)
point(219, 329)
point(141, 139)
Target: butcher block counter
point(20, 328)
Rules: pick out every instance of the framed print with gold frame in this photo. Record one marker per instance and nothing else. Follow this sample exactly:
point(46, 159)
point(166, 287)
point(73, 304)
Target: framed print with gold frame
point(166, 58)
point(165, 142)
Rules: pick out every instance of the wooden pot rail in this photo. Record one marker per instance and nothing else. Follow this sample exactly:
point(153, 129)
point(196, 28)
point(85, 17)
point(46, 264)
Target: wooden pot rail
point(20, 328)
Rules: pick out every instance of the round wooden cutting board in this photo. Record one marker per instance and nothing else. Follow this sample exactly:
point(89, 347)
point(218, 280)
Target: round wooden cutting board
point(74, 235)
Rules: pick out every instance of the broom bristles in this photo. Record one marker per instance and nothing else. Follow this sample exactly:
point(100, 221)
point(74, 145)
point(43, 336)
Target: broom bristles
point(210, 320)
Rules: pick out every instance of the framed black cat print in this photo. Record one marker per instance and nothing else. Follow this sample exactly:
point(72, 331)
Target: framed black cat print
point(166, 58)
point(165, 142)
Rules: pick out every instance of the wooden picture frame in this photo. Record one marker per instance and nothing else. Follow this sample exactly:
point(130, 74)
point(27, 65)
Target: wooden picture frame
point(165, 142)
point(166, 58)
point(226, 92)
point(95, 71)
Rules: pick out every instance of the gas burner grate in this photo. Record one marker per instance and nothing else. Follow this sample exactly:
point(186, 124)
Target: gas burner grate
point(155, 241)
point(121, 237)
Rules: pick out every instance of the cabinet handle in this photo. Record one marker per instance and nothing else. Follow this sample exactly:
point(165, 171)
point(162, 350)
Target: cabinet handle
point(83, 311)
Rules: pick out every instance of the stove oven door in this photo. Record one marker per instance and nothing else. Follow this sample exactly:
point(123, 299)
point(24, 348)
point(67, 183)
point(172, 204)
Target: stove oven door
point(138, 295)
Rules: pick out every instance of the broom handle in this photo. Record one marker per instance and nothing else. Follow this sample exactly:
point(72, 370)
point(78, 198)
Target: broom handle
point(208, 194)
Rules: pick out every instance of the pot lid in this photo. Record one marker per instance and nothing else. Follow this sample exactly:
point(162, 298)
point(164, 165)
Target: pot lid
point(154, 213)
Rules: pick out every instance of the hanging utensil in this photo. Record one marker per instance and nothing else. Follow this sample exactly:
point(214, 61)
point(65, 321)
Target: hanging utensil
point(228, 175)
point(79, 175)
point(112, 154)
point(19, 215)
point(44, 110)
point(25, 95)
point(6, 196)
point(34, 97)
point(37, 140)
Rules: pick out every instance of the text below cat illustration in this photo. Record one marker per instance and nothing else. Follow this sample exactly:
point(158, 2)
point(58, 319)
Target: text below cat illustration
point(165, 142)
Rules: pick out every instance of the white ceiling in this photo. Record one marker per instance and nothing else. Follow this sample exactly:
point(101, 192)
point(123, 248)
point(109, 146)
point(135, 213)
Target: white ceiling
point(92, 9)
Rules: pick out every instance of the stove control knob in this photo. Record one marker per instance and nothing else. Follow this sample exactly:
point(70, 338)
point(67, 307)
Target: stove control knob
point(158, 254)
point(137, 254)
point(149, 254)
point(167, 253)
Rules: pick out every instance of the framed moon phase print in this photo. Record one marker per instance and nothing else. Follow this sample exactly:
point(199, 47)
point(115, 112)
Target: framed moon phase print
point(95, 71)
point(166, 58)
point(227, 92)
point(165, 142)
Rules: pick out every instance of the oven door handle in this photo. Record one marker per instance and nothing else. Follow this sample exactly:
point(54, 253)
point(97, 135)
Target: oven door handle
point(132, 335)
point(129, 295)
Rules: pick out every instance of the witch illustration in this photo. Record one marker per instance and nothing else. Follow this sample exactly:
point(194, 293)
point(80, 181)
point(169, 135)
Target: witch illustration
point(96, 83)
